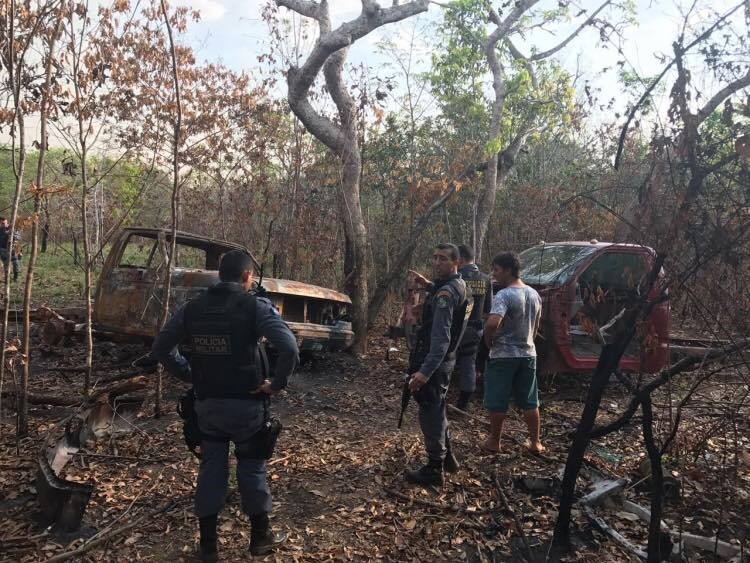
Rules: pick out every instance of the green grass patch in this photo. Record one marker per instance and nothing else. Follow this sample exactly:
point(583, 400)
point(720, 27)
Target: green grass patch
point(58, 281)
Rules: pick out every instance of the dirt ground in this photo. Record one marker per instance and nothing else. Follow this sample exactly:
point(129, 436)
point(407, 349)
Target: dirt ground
point(337, 476)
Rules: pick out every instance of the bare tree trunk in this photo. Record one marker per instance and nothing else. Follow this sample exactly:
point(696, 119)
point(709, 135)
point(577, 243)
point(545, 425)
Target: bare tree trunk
point(13, 64)
point(89, 336)
point(500, 163)
point(657, 483)
point(329, 54)
point(175, 199)
point(23, 426)
point(484, 205)
point(83, 158)
point(609, 359)
point(355, 230)
point(608, 362)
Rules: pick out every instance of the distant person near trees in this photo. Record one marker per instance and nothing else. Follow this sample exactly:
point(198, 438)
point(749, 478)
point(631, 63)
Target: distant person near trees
point(8, 251)
point(479, 286)
point(510, 330)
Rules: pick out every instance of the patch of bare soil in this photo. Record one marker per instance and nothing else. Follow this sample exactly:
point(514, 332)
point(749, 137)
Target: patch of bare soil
point(337, 477)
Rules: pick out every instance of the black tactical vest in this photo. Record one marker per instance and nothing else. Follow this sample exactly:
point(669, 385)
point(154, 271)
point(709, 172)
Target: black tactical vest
point(477, 283)
point(220, 324)
point(460, 317)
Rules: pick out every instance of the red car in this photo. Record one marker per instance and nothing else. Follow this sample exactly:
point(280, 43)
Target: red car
point(584, 286)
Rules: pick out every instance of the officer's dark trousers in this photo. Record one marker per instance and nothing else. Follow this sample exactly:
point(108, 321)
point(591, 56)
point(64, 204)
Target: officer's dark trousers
point(432, 419)
point(467, 359)
point(236, 420)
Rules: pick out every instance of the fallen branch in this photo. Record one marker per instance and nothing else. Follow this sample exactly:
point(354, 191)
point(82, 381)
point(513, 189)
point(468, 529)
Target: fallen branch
point(44, 313)
point(125, 375)
point(132, 384)
point(277, 461)
point(21, 541)
point(117, 531)
point(710, 544)
point(16, 466)
point(116, 458)
point(614, 534)
point(436, 505)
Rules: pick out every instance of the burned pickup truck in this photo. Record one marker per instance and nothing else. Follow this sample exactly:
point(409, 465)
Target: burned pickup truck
point(584, 286)
point(130, 292)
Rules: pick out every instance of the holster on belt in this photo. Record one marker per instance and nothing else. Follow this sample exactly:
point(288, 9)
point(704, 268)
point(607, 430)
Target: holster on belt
point(190, 429)
point(261, 444)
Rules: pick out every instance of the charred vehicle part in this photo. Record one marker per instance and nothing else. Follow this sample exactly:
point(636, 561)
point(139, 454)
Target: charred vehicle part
point(130, 292)
point(584, 288)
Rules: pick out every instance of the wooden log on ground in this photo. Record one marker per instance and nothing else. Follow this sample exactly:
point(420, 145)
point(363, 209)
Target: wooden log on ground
point(42, 314)
point(105, 394)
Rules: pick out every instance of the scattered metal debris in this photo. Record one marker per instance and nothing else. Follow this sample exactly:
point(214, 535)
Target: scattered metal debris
point(63, 502)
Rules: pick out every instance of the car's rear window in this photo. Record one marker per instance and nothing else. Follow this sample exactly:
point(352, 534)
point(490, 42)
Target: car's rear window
point(139, 252)
point(551, 264)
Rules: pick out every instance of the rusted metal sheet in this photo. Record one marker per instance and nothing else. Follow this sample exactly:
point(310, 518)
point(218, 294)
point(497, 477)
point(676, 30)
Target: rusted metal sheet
point(63, 502)
point(130, 294)
point(274, 285)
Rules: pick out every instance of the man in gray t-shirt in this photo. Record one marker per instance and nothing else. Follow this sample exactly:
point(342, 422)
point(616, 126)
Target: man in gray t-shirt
point(519, 307)
point(509, 332)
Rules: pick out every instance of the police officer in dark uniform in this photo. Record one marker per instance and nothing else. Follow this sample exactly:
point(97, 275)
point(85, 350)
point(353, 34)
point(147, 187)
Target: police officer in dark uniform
point(223, 326)
point(479, 285)
point(432, 360)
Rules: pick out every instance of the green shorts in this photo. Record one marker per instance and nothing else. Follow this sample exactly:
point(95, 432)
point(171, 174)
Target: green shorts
point(504, 376)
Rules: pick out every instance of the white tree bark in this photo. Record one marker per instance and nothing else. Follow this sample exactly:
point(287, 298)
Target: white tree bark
point(502, 159)
point(329, 55)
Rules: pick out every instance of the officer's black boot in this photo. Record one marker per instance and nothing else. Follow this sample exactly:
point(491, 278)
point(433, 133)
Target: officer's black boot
point(430, 474)
point(450, 463)
point(208, 539)
point(262, 540)
point(463, 400)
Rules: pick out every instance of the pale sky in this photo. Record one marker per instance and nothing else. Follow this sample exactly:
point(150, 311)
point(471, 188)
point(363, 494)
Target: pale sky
point(234, 33)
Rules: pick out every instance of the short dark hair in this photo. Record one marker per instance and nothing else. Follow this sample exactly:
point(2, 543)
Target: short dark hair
point(233, 264)
point(451, 248)
point(3, 219)
point(508, 261)
point(466, 253)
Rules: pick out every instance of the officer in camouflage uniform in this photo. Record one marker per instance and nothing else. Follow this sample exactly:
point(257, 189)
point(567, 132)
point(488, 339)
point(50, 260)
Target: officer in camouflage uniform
point(480, 287)
point(223, 326)
point(444, 318)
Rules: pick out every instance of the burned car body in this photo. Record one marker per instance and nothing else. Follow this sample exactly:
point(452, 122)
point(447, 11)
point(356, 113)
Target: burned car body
point(130, 291)
point(584, 286)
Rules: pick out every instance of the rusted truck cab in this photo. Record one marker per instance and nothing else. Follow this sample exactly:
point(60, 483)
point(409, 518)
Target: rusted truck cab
point(584, 286)
point(129, 295)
